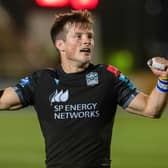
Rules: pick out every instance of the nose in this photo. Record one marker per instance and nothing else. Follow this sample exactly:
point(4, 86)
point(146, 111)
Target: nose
point(86, 39)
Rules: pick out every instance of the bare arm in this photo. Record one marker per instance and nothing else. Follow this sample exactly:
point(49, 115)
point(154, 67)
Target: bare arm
point(9, 100)
point(151, 105)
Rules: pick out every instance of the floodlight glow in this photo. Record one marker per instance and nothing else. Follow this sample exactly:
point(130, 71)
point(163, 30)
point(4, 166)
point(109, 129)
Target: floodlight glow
point(84, 4)
point(52, 3)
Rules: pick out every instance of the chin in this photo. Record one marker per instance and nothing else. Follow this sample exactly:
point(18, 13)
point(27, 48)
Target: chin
point(87, 57)
point(87, 60)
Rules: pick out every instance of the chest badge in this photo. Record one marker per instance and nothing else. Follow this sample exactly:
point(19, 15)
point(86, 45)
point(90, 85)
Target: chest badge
point(92, 78)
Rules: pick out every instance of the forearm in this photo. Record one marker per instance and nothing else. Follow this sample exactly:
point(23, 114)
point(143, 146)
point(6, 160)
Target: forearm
point(153, 105)
point(149, 105)
point(156, 103)
point(158, 98)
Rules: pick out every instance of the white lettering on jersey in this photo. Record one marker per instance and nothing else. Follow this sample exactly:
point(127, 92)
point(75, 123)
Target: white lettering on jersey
point(76, 111)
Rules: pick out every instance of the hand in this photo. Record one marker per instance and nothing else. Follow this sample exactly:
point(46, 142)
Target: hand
point(159, 66)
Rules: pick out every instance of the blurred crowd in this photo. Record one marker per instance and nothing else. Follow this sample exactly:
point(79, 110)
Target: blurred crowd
point(20, 50)
point(134, 30)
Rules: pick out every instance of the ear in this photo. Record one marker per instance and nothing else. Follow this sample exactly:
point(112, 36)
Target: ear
point(60, 45)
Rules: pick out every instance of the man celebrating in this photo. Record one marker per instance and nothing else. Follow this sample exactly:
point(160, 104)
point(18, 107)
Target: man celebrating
point(76, 102)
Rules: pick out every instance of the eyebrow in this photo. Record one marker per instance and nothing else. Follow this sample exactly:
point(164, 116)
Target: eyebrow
point(89, 33)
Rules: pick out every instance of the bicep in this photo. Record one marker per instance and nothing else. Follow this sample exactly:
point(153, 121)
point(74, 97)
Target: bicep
point(9, 100)
point(138, 105)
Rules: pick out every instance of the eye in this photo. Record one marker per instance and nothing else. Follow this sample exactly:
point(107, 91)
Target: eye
point(90, 36)
point(78, 36)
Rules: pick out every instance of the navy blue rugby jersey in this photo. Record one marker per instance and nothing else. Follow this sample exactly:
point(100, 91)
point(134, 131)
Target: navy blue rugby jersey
point(76, 112)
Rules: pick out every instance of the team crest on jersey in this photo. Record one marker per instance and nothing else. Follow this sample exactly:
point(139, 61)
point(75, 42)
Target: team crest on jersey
point(92, 78)
point(59, 96)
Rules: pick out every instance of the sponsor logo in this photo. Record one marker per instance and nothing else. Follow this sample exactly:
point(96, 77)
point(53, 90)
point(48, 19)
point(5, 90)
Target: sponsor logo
point(76, 115)
point(64, 111)
point(92, 79)
point(59, 96)
point(76, 111)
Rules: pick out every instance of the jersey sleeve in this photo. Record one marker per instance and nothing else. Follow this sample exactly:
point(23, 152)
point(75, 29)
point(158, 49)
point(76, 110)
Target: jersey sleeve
point(25, 90)
point(124, 89)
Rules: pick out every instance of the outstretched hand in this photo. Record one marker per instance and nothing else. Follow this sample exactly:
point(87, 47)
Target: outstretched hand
point(159, 66)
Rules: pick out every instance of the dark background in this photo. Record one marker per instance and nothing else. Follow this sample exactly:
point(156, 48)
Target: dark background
point(135, 27)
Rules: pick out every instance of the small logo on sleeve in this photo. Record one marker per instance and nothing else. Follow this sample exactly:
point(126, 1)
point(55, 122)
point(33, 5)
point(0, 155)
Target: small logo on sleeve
point(24, 81)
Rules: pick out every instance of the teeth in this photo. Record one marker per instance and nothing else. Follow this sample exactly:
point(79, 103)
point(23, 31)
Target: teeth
point(85, 50)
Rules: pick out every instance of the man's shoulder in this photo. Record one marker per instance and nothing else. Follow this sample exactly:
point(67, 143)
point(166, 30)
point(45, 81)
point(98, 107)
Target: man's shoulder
point(36, 75)
point(45, 70)
point(108, 69)
point(98, 67)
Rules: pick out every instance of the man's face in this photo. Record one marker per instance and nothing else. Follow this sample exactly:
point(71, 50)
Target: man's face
point(78, 44)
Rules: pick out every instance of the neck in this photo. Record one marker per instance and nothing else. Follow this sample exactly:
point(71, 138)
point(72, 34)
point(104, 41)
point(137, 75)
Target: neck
point(70, 68)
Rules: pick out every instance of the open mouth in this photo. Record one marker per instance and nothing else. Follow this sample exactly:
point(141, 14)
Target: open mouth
point(86, 50)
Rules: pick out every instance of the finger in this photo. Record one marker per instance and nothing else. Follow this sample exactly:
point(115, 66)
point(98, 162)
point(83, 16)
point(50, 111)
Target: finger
point(152, 63)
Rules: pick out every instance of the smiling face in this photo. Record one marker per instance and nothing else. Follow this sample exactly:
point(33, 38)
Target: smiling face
point(77, 47)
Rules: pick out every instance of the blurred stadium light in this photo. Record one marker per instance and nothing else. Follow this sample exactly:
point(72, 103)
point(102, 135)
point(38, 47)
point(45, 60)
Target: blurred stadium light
point(84, 4)
point(52, 3)
point(76, 4)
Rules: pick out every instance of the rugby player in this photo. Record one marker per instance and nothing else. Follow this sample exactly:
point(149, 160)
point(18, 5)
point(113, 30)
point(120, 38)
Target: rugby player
point(76, 102)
